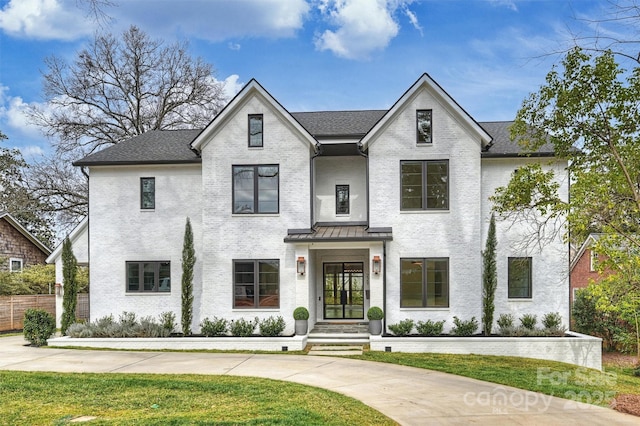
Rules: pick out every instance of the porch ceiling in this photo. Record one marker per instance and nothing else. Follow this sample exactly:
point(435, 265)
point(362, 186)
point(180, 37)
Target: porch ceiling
point(338, 233)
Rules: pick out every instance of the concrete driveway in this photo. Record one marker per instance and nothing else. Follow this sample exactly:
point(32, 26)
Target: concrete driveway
point(408, 395)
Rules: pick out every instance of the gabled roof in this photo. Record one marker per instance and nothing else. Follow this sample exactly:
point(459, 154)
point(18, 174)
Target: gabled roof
point(591, 239)
point(251, 88)
point(28, 235)
point(73, 236)
point(426, 82)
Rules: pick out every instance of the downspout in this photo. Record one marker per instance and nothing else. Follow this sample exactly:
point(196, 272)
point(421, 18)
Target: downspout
point(366, 177)
point(317, 150)
point(384, 286)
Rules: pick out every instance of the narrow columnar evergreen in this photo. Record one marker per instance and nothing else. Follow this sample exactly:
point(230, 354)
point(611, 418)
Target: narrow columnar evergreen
point(188, 261)
point(69, 286)
point(489, 278)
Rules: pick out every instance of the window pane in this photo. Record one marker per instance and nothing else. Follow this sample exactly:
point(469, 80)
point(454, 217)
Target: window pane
point(165, 277)
point(520, 277)
point(255, 130)
point(411, 283)
point(243, 189)
point(133, 276)
point(148, 193)
point(342, 199)
point(269, 283)
point(244, 285)
point(437, 282)
point(437, 185)
point(411, 185)
point(149, 276)
point(268, 189)
point(424, 126)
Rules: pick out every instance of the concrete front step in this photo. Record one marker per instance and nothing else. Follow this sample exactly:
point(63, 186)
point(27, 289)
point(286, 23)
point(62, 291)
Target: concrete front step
point(341, 338)
point(335, 350)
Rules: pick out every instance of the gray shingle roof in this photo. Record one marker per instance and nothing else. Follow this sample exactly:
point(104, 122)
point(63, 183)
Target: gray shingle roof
point(173, 146)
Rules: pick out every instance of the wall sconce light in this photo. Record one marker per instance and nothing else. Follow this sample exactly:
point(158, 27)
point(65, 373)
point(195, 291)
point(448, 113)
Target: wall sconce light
point(301, 265)
point(58, 289)
point(376, 264)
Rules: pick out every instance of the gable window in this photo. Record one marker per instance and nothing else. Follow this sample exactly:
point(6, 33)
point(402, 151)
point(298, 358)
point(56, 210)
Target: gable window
point(424, 283)
point(256, 189)
point(147, 193)
point(15, 265)
point(256, 283)
point(342, 199)
point(148, 277)
point(519, 278)
point(424, 185)
point(593, 261)
point(255, 130)
point(424, 128)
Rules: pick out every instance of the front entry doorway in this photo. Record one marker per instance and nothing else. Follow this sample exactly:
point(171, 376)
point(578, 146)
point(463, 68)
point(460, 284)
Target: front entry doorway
point(343, 290)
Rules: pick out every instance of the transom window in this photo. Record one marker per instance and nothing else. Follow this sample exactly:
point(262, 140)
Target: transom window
point(256, 283)
point(425, 185)
point(519, 278)
point(256, 189)
point(15, 265)
point(342, 199)
point(152, 276)
point(255, 130)
point(424, 282)
point(424, 127)
point(147, 193)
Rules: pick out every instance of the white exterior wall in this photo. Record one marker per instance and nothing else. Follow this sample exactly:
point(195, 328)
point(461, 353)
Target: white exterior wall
point(332, 171)
point(229, 236)
point(550, 263)
point(120, 231)
point(452, 234)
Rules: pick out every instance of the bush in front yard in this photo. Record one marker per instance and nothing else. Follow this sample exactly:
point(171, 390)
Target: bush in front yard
point(213, 328)
point(272, 326)
point(464, 328)
point(243, 328)
point(39, 325)
point(430, 328)
point(403, 328)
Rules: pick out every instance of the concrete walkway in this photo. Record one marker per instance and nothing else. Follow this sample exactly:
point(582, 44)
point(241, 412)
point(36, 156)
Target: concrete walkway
point(408, 395)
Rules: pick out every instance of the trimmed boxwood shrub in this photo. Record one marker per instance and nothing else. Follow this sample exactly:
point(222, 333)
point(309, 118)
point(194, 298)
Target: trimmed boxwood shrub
point(39, 325)
point(375, 313)
point(272, 326)
point(300, 313)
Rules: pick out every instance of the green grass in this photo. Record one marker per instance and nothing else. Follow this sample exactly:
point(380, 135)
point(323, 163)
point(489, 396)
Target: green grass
point(548, 377)
point(54, 398)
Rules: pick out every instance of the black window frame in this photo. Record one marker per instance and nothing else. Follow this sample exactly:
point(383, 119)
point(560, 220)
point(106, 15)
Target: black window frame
point(143, 192)
point(419, 139)
point(342, 187)
point(157, 288)
point(256, 282)
point(250, 131)
point(511, 289)
point(256, 189)
point(424, 186)
point(425, 282)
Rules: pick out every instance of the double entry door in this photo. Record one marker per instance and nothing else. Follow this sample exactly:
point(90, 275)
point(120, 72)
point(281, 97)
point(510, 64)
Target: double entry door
point(343, 290)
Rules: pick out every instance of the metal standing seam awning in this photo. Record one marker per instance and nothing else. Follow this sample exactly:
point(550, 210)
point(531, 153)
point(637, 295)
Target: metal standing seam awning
point(338, 233)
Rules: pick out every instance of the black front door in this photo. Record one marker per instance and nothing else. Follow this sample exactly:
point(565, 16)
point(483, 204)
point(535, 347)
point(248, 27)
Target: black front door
point(344, 290)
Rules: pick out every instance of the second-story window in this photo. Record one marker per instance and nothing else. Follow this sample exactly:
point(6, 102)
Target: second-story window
point(147, 193)
point(424, 185)
point(424, 126)
point(255, 130)
point(342, 199)
point(256, 189)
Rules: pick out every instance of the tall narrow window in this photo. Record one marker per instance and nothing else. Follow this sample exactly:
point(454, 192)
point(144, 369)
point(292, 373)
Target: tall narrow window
point(424, 283)
point(148, 277)
point(519, 278)
point(424, 185)
point(256, 283)
point(342, 199)
point(256, 189)
point(147, 193)
point(424, 128)
point(255, 130)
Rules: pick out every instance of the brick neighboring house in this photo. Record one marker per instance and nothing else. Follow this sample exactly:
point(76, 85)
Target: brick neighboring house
point(18, 247)
point(583, 269)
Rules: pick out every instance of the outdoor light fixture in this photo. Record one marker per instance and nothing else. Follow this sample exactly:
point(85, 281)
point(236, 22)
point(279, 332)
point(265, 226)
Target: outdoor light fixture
point(301, 265)
point(376, 264)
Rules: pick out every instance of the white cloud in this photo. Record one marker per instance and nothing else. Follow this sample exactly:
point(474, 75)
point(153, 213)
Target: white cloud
point(363, 26)
point(509, 4)
point(232, 86)
point(44, 19)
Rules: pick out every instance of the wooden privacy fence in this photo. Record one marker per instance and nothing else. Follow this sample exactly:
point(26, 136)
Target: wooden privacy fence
point(12, 308)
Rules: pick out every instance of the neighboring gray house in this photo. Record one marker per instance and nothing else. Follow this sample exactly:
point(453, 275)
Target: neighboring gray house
point(18, 247)
point(337, 211)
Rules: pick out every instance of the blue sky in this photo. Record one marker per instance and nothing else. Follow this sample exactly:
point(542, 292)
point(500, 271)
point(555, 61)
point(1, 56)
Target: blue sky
point(312, 55)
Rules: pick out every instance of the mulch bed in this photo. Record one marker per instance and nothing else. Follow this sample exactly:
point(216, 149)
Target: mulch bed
point(625, 403)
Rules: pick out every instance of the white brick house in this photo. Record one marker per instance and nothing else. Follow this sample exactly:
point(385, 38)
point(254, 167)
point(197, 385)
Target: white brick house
point(335, 211)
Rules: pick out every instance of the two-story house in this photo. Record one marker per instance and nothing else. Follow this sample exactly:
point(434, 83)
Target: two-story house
point(336, 211)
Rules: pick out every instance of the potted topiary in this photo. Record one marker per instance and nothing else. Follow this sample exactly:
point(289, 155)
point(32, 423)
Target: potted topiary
point(301, 315)
point(375, 315)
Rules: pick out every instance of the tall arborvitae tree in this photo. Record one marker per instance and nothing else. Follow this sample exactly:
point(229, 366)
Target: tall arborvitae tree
point(70, 286)
point(489, 278)
point(188, 261)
